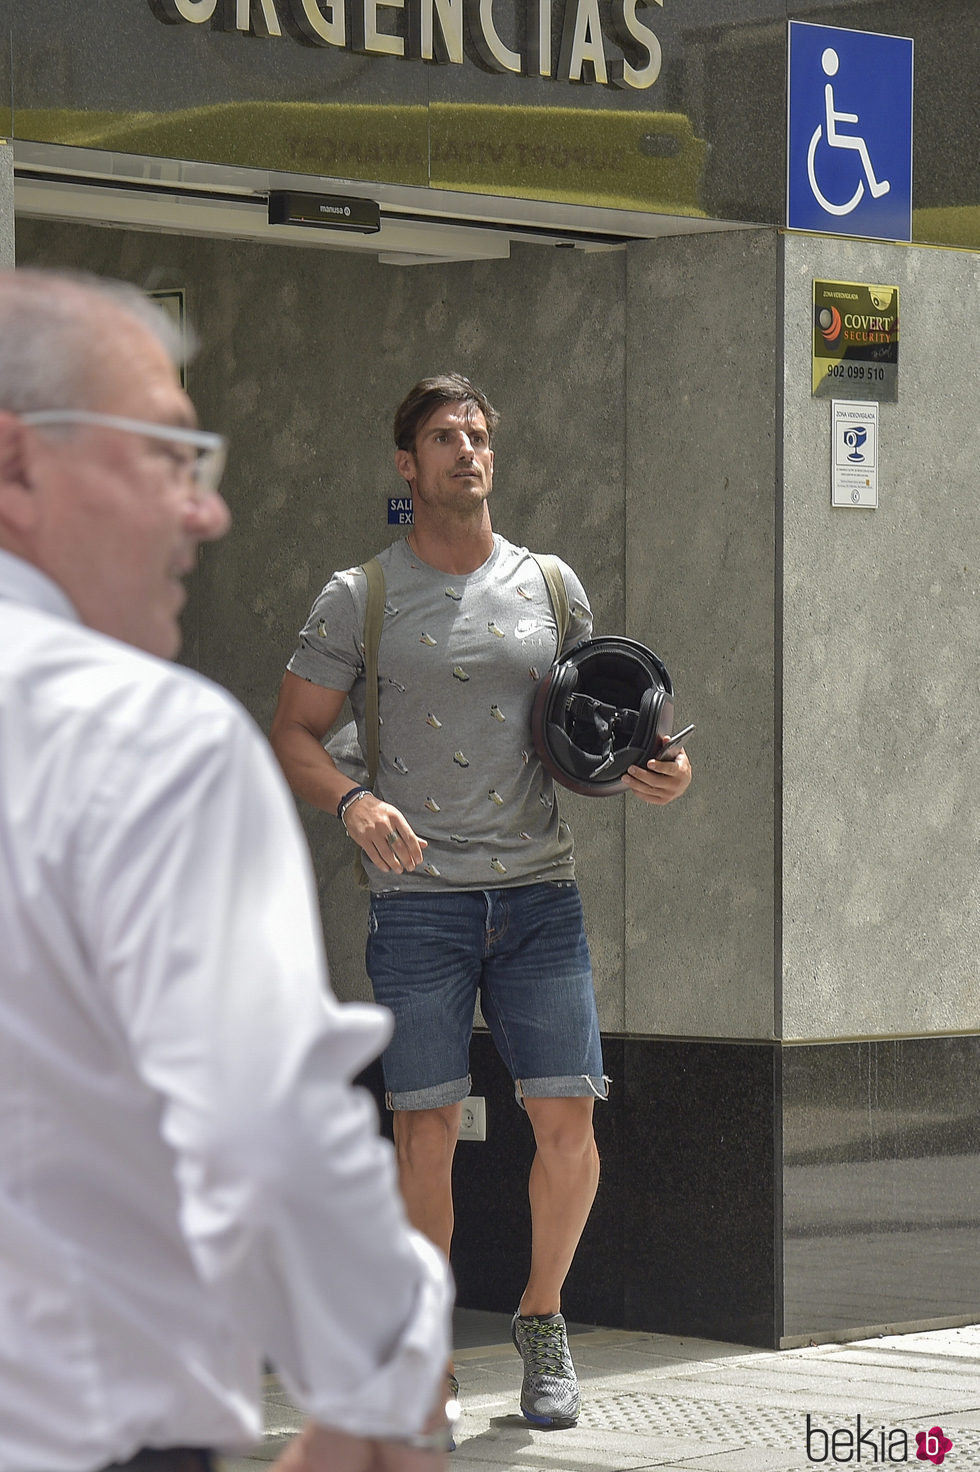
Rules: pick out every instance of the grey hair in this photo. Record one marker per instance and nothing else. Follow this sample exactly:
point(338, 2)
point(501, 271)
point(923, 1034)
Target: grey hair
point(50, 335)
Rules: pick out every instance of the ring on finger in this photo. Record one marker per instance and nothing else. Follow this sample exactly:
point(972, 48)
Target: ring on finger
point(393, 837)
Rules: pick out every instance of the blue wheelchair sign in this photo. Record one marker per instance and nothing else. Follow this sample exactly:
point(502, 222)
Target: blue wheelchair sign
point(849, 151)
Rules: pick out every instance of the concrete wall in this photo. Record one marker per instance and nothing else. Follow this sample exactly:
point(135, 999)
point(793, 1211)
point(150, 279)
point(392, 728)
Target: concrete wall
point(6, 205)
point(305, 355)
point(642, 396)
point(881, 909)
point(702, 317)
point(811, 885)
point(657, 486)
point(638, 441)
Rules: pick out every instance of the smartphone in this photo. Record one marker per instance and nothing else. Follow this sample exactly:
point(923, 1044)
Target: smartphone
point(673, 745)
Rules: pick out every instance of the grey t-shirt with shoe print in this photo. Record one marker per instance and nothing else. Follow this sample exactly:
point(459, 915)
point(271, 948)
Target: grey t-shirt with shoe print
point(459, 662)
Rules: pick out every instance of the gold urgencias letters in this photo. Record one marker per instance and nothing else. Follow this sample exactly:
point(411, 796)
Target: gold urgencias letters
point(447, 31)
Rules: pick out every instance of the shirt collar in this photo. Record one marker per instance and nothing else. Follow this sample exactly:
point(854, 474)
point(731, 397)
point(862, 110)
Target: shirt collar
point(22, 582)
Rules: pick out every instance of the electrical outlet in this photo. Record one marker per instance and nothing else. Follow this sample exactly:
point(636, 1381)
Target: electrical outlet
point(474, 1122)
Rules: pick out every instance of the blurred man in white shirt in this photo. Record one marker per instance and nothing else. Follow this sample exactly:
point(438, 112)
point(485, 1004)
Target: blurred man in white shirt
point(188, 1183)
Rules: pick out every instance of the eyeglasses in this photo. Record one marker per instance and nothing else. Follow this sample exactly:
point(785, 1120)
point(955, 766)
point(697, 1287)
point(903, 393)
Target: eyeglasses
point(205, 469)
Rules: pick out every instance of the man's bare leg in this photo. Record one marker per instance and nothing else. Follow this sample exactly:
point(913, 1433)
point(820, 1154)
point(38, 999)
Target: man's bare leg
point(562, 1187)
point(425, 1142)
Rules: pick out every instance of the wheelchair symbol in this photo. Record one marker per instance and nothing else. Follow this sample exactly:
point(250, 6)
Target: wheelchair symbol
point(830, 63)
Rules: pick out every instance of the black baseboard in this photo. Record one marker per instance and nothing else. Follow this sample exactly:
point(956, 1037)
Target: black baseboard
point(881, 1185)
point(751, 1192)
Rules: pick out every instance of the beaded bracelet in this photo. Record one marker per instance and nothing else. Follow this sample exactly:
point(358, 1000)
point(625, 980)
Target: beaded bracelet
point(353, 794)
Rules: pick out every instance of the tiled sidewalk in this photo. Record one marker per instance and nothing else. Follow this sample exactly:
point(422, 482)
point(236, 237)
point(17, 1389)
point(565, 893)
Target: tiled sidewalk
point(650, 1401)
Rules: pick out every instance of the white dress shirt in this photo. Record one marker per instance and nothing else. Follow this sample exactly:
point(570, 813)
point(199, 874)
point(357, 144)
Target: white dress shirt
point(187, 1181)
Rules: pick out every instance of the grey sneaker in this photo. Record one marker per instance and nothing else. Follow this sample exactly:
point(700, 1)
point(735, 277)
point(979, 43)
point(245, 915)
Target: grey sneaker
point(549, 1395)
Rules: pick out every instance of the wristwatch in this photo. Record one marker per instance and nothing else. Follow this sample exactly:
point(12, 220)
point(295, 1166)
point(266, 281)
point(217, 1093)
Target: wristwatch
point(439, 1440)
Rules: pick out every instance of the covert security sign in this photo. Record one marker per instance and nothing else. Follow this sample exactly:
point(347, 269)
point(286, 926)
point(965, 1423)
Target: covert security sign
point(855, 341)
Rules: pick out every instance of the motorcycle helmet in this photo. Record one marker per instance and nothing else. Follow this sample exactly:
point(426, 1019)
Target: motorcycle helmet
point(607, 705)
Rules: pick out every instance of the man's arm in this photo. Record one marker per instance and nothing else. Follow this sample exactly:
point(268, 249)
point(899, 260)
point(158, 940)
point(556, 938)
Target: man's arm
point(303, 717)
point(321, 1449)
point(199, 908)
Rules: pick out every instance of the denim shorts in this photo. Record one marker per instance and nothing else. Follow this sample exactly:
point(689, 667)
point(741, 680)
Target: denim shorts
point(523, 952)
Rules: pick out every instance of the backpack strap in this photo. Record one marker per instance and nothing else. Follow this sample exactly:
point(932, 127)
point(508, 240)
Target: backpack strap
point(374, 616)
point(557, 592)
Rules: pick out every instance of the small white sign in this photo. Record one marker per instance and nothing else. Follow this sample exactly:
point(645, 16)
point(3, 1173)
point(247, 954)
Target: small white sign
point(854, 454)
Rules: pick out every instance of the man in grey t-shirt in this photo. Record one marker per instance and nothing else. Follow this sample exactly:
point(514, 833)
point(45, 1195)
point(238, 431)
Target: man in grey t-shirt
point(469, 861)
point(458, 665)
